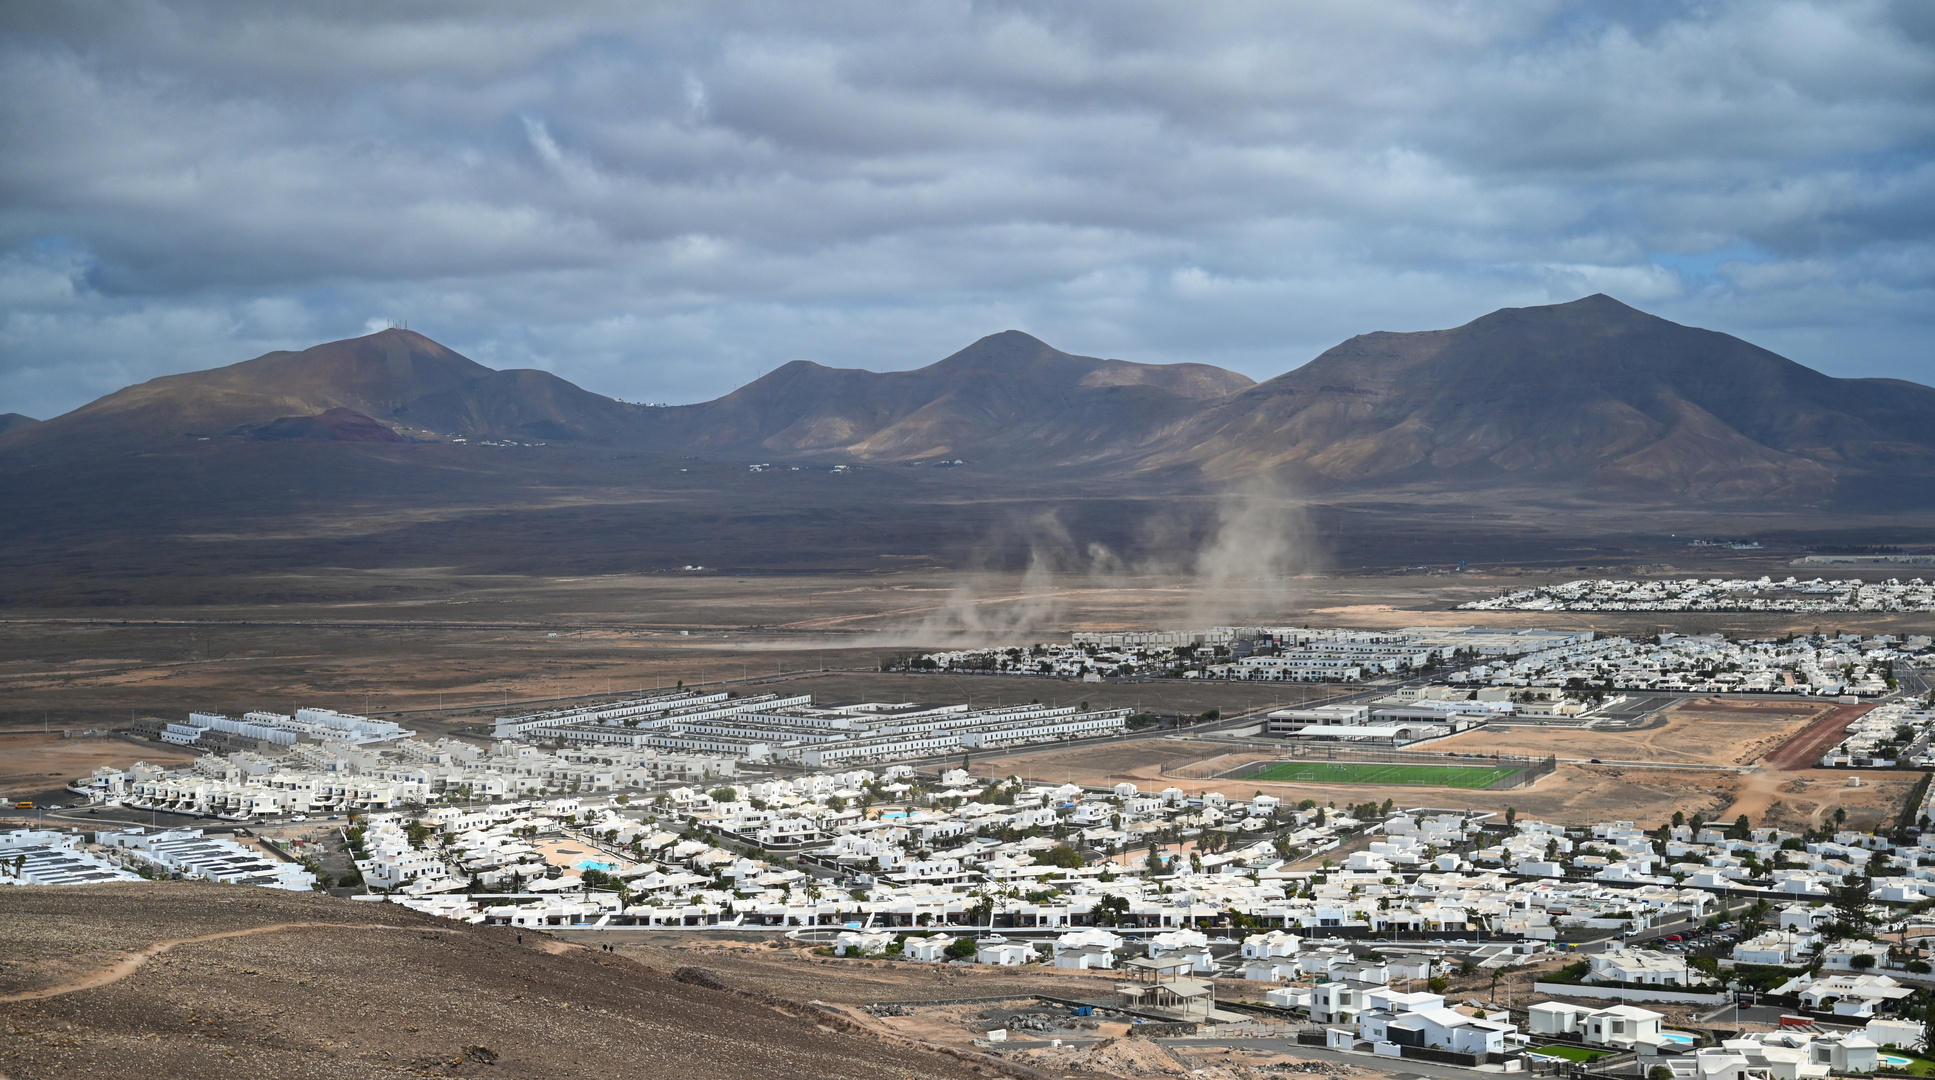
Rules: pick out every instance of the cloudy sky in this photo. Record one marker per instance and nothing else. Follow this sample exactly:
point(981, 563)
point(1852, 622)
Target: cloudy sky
point(661, 202)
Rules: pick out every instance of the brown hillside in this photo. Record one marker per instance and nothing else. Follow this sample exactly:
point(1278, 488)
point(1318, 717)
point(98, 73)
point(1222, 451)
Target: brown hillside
point(1006, 399)
point(296, 986)
point(395, 376)
point(1589, 393)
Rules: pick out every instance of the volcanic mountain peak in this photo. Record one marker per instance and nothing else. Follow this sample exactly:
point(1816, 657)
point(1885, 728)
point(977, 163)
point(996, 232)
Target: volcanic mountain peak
point(1564, 399)
point(1589, 391)
point(381, 369)
point(391, 377)
point(1008, 397)
point(1014, 354)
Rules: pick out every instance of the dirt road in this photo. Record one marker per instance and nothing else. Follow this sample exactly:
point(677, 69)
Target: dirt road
point(1804, 748)
point(133, 963)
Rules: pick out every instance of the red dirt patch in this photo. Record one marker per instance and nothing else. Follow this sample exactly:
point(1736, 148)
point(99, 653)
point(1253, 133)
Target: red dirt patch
point(1805, 747)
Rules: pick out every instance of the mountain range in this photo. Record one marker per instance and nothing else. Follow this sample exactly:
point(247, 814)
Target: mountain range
point(1589, 399)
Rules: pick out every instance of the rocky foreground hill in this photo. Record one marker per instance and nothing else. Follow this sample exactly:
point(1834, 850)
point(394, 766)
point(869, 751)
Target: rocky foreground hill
point(267, 984)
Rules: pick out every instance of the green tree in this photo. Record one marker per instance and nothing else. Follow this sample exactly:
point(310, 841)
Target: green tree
point(981, 911)
point(1061, 855)
point(1111, 910)
point(1851, 907)
point(1928, 1022)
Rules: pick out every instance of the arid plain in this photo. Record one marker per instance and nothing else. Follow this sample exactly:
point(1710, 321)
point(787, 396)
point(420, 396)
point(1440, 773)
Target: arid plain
point(462, 648)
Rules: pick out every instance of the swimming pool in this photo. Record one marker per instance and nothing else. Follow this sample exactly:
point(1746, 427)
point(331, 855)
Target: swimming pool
point(593, 864)
point(1680, 1037)
point(892, 815)
point(1896, 1061)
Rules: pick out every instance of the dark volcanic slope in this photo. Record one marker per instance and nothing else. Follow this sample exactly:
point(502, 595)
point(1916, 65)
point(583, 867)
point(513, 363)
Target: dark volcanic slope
point(344, 454)
point(1008, 398)
point(12, 420)
point(379, 992)
point(1588, 392)
point(398, 377)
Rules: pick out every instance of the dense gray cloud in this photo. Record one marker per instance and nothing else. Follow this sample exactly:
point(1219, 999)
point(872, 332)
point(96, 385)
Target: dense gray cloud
point(662, 202)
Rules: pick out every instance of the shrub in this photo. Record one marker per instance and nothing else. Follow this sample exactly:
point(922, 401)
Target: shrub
point(1063, 856)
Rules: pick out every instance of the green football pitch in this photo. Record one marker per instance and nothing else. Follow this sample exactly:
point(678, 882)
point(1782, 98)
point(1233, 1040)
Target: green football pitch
point(1356, 772)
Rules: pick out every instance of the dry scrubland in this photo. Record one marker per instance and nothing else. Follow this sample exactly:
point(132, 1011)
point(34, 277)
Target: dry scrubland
point(409, 642)
point(527, 639)
point(388, 640)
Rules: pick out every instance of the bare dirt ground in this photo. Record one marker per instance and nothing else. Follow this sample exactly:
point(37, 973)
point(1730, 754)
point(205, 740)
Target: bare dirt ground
point(33, 765)
point(1806, 747)
point(299, 986)
point(1094, 1049)
point(790, 970)
point(1806, 797)
point(1599, 792)
point(448, 665)
point(472, 644)
point(1694, 733)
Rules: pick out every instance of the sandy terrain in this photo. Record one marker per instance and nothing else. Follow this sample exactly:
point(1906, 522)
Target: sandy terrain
point(1806, 797)
point(1693, 734)
point(39, 766)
